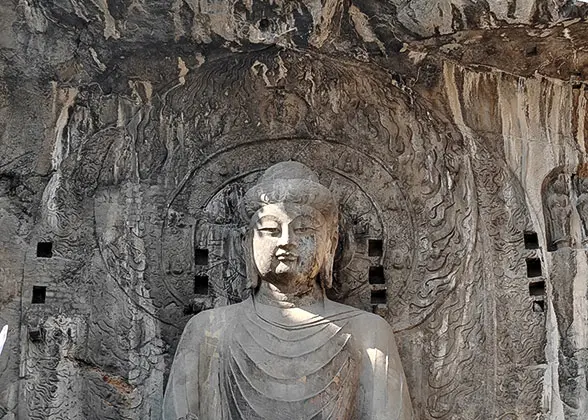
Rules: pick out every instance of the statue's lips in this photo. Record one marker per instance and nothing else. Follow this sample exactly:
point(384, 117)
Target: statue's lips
point(287, 257)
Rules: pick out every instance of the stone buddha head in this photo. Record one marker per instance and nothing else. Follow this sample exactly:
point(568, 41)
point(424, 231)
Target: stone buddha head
point(292, 224)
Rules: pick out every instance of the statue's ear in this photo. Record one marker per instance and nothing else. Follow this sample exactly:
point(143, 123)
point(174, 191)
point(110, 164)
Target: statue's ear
point(326, 273)
point(250, 269)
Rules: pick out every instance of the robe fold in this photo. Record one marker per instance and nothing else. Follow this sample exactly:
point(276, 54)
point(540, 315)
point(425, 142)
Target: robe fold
point(251, 362)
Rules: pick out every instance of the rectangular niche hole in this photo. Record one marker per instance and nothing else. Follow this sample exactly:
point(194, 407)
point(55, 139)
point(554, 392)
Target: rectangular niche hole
point(201, 256)
point(378, 297)
point(533, 267)
point(376, 275)
point(539, 306)
point(39, 293)
point(537, 288)
point(375, 247)
point(531, 240)
point(35, 335)
point(201, 285)
point(45, 249)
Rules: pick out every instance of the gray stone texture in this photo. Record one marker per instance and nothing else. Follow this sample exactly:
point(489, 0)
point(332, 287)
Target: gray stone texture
point(447, 130)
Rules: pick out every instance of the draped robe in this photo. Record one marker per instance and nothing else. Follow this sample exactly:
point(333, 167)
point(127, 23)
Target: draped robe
point(251, 361)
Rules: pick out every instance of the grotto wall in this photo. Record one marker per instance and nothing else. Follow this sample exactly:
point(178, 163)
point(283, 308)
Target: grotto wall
point(453, 134)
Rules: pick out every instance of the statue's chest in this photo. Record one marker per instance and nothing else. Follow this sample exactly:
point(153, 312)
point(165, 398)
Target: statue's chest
point(296, 373)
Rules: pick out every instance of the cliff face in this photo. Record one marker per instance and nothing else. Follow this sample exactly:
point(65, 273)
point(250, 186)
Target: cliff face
point(453, 134)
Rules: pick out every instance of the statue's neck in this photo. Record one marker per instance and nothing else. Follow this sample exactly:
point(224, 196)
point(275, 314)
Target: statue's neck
point(284, 297)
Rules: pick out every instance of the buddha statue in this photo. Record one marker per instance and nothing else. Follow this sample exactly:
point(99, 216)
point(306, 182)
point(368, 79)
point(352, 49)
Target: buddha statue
point(287, 352)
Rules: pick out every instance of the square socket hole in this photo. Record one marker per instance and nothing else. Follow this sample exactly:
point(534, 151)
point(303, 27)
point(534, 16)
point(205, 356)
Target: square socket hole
point(539, 306)
point(35, 335)
point(201, 256)
point(534, 267)
point(531, 240)
point(376, 275)
point(378, 297)
point(537, 288)
point(39, 294)
point(201, 285)
point(375, 247)
point(45, 249)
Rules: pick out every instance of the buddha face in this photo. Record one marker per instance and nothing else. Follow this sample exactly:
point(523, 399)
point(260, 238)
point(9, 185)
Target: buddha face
point(289, 243)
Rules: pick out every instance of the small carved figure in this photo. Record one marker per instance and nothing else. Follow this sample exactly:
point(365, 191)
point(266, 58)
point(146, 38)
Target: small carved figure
point(559, 210)
point(288, 352)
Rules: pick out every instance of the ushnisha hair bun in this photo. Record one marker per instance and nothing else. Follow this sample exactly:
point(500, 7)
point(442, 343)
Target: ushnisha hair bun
point(290, 182)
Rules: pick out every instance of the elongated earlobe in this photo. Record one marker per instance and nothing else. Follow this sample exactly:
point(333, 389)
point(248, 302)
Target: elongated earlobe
point(250, 269)
point(326, 272)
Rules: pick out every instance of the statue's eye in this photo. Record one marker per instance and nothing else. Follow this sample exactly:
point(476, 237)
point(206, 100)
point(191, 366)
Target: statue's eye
point(304, 230)
point(270, 230)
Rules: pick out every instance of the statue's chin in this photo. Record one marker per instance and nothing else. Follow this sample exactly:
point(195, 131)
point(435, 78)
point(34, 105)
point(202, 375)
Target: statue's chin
point(286, 268)
point(284, 277)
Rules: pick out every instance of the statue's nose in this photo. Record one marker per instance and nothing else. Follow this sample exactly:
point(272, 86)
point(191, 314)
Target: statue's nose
point(286, 238)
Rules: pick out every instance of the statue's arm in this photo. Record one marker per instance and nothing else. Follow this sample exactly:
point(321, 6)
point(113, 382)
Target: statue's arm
point(181, 400)
point(386, 395)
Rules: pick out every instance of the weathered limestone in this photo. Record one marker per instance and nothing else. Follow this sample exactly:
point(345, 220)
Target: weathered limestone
point(452, 133)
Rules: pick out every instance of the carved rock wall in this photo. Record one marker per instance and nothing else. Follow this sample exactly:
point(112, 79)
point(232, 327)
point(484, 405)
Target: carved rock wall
point(453, 138)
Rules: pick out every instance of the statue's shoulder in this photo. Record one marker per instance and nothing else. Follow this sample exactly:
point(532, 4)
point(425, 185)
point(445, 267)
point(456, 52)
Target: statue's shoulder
point(362, 323)
point(355, 313)
point(213, 320)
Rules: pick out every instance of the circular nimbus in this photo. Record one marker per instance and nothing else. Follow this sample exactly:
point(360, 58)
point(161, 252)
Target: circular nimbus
point(373, 210)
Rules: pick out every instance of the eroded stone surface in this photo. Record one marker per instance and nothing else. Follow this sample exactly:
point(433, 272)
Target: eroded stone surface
point(130, 131)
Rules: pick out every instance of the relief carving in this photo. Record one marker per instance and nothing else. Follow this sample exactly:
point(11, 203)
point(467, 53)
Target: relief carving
point(288, 351)
point(581, 190)
point(161, 176)
point(558, 209)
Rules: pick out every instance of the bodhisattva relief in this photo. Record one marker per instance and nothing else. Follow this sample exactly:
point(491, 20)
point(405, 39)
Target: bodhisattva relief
point(581, 186)
point(558, 208)
point(287, 352)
